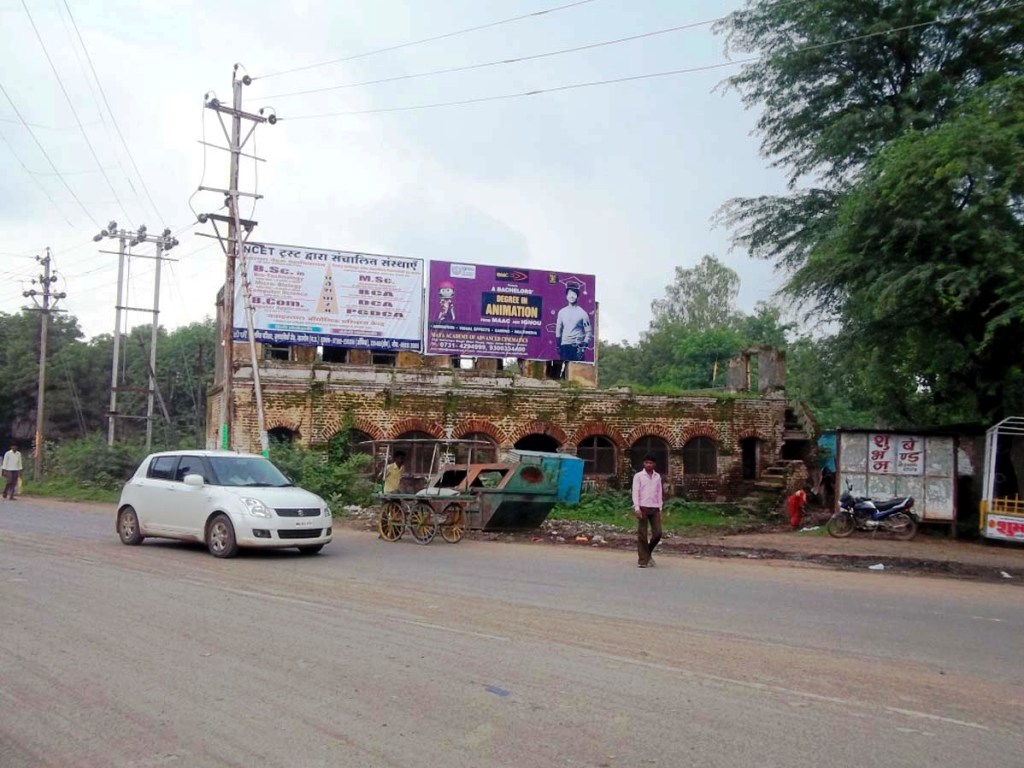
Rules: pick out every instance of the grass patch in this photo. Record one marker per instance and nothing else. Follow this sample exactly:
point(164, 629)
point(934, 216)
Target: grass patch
point(616, 508)
point(67, 488)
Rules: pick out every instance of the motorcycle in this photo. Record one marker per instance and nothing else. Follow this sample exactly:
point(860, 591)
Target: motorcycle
point(861, 513)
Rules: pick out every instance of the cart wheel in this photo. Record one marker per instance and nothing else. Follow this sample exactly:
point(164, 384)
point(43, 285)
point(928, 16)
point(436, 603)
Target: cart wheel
point(451, 528)
point(391, 523)
point(422, 524)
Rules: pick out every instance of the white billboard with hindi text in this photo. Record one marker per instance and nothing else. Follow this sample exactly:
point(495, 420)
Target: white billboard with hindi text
point(315, 296)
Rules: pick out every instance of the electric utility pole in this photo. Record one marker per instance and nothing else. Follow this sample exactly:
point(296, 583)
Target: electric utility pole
point(126, 241)
point(233, 245)
point(45, 281)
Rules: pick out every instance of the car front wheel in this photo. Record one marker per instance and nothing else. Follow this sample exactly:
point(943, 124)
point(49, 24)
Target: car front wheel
point(128, 527)
point(220, 537)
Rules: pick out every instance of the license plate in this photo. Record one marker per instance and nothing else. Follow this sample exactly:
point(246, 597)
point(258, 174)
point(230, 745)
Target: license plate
point(305, 523)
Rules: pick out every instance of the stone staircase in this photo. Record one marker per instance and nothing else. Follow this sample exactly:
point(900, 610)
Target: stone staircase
point(766, 497)
point(799, 425)
point(777, 481)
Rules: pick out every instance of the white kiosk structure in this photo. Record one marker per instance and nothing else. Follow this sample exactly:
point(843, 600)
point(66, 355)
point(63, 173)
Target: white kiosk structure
point(1001, 516)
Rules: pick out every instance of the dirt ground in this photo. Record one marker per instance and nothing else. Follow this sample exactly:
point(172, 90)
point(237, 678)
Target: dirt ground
point(931, 552)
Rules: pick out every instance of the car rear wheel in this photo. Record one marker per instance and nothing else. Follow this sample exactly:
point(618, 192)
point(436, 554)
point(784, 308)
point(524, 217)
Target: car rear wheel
point(220, 537)
point(311, 549)
point(128, 527)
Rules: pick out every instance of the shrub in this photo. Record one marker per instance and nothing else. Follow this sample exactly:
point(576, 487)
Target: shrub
point(339, 482)
point(91, 463)
point(616, 508)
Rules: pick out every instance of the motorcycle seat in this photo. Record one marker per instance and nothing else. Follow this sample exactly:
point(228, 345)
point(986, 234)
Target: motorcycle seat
point(885, 506)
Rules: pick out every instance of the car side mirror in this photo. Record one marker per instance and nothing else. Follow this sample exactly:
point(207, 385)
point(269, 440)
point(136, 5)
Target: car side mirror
point(195, 481)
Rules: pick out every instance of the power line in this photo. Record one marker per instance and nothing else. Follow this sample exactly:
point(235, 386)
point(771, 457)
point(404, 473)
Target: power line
point(536, 92)
point(71, 105)
point(113, 119)
point(499, 62)
point(650, 75)
point(47, 156)
point(35, 178)
point(426, 39)
point(95, 101)
point(45, 127)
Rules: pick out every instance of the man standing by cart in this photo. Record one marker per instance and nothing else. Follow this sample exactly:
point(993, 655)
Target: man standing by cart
point(647, 504)
point(393, 473)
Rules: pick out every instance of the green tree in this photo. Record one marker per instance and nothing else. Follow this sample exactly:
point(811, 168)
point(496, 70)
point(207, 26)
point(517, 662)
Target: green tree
point(703, 296)
point(677, 356)
point(19, 370)
point(901, 131)
point(931, 271)
point(695, 331)
point(78, 379)
point(617, 363)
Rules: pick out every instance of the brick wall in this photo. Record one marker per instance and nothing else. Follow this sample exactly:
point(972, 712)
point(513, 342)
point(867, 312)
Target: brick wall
point(319, 400)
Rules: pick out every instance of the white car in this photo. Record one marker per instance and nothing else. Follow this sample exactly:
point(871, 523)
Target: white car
point(225, 500)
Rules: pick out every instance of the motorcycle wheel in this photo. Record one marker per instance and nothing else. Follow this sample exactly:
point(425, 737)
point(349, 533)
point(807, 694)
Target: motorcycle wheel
point(902, 526)
point(840, 525)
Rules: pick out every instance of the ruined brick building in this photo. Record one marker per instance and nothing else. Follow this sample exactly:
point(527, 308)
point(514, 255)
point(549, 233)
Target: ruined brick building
point(710, 445)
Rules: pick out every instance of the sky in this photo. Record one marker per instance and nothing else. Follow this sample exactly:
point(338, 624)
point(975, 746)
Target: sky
point(621, 180)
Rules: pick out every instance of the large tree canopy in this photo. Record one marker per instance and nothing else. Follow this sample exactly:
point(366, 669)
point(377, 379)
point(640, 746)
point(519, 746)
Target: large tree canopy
point(900, 125)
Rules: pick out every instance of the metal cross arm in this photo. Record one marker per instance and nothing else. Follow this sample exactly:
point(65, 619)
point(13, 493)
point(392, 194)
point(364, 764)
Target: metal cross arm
point(247, 224)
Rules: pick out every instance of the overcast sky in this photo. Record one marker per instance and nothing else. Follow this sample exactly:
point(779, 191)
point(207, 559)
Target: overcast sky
point(619, 180)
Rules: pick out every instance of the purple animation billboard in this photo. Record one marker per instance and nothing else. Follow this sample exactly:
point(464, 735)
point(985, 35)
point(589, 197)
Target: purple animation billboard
point(483, 311)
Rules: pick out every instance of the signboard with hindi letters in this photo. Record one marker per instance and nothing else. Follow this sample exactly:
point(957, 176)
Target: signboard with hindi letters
point(332, 298)
point(484, 311)
point(883, 465)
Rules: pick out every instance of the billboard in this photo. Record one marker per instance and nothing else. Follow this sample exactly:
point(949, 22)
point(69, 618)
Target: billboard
point(483, 311)
point(332, 298)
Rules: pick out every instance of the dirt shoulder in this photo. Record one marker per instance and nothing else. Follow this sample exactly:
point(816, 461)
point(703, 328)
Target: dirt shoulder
point(932, 552)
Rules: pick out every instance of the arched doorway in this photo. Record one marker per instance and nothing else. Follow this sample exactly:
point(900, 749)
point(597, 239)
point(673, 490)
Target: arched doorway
point(750, 449)
point(537, 442)
point(650, 444)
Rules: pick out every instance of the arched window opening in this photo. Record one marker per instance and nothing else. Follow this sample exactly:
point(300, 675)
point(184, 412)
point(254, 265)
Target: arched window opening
point(650, 444)
point(283, 435)
point(598, 454)
point(348, 443)
point(419, 451)
point(537, 442)
point(700, 457)
point(481, 454)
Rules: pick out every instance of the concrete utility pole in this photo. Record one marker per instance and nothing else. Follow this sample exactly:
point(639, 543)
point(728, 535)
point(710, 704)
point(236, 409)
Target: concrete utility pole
point(45, 280)
point(233, 246)
point(127, 240)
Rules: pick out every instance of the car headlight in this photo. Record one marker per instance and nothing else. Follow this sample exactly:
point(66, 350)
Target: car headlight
point(256, 507)
point(327, 511)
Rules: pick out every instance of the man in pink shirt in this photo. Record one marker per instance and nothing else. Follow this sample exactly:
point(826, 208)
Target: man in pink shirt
point(647, 505)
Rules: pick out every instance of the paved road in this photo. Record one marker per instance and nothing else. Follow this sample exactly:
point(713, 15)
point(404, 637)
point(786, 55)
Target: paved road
point(486, 654)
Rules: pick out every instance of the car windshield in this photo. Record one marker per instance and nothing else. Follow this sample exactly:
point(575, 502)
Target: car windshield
point(247, 471)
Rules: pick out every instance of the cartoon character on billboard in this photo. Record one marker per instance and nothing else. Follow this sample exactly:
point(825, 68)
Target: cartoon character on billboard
point(573, 331)
point(446, 296)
